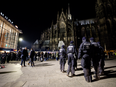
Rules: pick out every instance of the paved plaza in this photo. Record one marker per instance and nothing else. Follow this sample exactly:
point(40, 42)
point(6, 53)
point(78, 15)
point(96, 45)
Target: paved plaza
point(47, 74)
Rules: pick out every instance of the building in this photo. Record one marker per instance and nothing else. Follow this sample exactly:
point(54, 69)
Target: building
point(9, 34)
point(102, 28)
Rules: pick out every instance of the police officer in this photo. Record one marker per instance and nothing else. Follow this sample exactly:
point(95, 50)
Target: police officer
point(101, 62)
point(95, 57)
point(84, 52)
point(62, 54)
point(71, 51)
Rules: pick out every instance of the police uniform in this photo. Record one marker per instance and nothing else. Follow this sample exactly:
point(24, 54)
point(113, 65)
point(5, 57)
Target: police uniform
point(62, 54)
point(101, 62)
point(85, 54)
point(95, 57)
point(71, 51)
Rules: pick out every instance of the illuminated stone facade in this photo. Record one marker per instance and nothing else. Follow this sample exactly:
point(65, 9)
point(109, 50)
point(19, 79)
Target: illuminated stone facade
point(8, 34)
point(102, 28)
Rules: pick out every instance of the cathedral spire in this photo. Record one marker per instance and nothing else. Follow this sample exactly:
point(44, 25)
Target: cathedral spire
point(68, 8)
point(69, 15)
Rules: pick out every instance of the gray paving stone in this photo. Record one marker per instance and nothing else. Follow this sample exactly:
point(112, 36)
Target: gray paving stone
point(50, 76)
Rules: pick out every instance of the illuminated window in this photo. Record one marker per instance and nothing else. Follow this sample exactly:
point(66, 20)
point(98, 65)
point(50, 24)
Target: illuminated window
point(6, 45)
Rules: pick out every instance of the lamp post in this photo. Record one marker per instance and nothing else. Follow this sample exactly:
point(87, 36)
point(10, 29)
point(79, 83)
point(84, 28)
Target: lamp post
point(20, 40)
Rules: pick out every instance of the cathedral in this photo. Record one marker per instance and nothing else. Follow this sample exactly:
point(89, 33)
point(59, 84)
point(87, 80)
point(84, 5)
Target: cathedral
point(66, 29)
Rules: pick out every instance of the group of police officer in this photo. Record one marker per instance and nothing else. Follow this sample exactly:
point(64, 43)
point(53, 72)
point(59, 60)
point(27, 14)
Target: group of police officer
point(92, 55)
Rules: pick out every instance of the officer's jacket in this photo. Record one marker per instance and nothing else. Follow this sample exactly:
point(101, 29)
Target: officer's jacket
point(62, 52)
point(85, 48)
point(102, 54)
point(95, 49)
point(71, 49)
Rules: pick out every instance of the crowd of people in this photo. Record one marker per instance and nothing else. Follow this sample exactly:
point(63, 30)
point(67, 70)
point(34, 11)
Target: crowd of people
point(26, 54)
point(91, 54)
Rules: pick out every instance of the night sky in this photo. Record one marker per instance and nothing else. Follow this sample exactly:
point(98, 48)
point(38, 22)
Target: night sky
point(34, 17)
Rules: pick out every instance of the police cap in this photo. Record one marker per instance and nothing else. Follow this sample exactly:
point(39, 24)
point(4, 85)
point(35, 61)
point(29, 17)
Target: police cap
point(71, 42)
point(63, 46)
point(84, 38)
point(91, 38)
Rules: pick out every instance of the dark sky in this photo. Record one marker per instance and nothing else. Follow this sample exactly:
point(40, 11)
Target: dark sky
point(34, 17)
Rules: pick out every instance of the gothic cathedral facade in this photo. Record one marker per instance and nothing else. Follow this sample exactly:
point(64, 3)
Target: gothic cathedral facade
point(63, 30)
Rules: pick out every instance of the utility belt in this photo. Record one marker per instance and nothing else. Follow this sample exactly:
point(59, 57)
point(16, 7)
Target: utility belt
point(70, 53)
point(61, 56)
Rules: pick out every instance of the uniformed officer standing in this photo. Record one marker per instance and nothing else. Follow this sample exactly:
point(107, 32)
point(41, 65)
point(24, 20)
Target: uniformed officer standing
point(95, 57)
point(62, 54)
point(85, 53)
point(71, 51)
point(101, 62)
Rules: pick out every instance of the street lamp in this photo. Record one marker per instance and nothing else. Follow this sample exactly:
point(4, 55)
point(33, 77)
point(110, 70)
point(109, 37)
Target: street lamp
point(20, 40)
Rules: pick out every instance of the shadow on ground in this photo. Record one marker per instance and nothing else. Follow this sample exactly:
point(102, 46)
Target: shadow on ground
point(107, 74)
point(109, 67)
point(7, 72)
point(43, 64)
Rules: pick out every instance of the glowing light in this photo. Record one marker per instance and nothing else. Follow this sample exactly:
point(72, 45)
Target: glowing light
point(20, 39)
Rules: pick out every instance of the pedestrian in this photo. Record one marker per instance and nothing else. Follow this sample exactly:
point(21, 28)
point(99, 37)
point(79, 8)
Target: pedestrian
point(85, 53)
point(62, 54)
point(95, 57)
point(32, 54)
point(41, 57)
point(8, 57)
point(24, 56)
point(29, 57)
point(3, 57)
point(71, 52)
point(57, 56)
point(102, 58)
point(45, 56)
point(38, 56)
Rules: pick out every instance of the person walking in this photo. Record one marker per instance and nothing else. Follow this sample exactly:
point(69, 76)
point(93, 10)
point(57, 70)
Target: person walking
point(62, 54)
point(57, 56)
point(71, 51)
point(102, 58)
point(32, 54)
point(95, 57)
point(3, 57)
point(24, 55)
point(85, 53)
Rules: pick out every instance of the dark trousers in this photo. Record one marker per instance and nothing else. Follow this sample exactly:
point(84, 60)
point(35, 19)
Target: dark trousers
point(8, 60)
point(87, 74)
point(2, 60)
point(96, 68)
point(23, 60)
point(62, 64)
point(32, 63)
point(71, 67)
